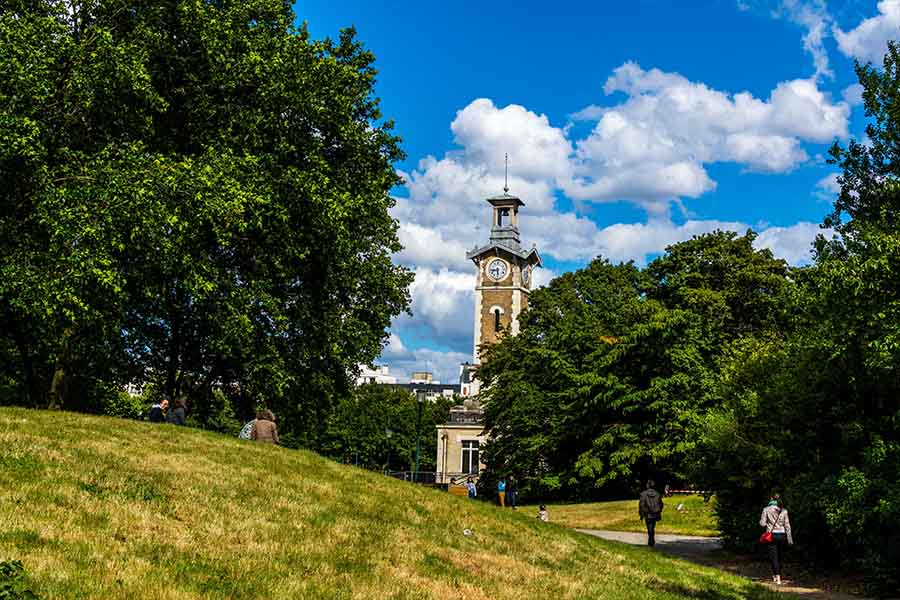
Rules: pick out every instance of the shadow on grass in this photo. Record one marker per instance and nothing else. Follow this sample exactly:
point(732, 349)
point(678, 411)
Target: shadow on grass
point(749, 593)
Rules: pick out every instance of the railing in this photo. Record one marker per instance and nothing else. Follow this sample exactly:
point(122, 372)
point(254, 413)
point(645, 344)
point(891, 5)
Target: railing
point(466, 417)
point(432, 478)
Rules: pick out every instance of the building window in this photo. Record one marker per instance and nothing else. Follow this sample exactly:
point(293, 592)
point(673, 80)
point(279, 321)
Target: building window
point(470, 457)
point(497, 321)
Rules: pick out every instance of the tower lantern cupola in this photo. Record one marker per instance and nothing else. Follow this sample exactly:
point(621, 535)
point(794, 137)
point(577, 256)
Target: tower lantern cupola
point(505, 228)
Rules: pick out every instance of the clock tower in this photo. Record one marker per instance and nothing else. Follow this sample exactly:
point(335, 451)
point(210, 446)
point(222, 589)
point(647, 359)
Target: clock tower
point(504, 273)
point(503, 280)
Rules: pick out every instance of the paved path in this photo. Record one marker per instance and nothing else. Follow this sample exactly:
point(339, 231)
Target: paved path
point(705, 551)
point(686, 546)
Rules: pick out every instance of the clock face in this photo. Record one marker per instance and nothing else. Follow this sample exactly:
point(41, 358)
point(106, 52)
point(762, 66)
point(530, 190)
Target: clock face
point(526, 274)
point(497, 269)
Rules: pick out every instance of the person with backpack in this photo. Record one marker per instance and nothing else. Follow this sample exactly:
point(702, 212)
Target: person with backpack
point(650, 508)
point(778, 532)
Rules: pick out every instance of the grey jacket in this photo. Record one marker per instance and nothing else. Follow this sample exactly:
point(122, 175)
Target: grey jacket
point(776, 520)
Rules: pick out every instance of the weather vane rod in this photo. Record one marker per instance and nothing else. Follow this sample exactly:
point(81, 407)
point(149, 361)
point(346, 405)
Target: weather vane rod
point(506, 173)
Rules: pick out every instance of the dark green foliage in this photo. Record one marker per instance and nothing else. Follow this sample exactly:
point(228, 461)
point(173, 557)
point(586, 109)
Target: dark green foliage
point(815, 413)
point(614, 365)
point(377, 422)
point(193, 195)
point(13, 583)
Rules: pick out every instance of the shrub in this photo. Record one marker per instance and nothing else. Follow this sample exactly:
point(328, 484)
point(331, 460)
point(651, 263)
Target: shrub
point(13, 583)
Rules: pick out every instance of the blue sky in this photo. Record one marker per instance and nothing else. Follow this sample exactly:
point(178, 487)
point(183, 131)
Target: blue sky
point(629, 125)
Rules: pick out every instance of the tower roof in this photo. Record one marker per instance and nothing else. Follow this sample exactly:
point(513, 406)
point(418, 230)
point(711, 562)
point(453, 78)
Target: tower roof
point(504, 200)
point(530, 256)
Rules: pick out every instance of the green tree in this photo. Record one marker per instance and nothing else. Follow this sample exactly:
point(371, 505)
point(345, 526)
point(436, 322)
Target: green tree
point(377, 423)
point(193, 194)
point(614, 365)
point(814, 413)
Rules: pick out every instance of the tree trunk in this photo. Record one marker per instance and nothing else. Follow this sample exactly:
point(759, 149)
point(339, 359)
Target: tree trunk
point(56, 398)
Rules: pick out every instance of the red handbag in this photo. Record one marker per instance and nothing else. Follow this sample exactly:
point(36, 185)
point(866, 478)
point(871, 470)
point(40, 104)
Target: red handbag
point(766, 538)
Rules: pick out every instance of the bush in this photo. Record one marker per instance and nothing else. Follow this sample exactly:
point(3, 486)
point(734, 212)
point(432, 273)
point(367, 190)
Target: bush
point(13, 583)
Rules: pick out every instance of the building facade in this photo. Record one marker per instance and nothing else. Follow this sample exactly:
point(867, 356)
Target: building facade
point(504, 275)
point(376, 374)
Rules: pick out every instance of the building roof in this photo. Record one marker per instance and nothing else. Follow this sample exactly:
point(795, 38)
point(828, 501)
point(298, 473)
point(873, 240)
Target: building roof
point(530, 255)
point(505, 200)
point(428, 387)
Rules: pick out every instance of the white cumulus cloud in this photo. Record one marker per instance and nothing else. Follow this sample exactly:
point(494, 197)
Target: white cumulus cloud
point(867, 41)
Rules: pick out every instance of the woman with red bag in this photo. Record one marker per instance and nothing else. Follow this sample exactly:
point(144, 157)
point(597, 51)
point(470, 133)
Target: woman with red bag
point(778, 532)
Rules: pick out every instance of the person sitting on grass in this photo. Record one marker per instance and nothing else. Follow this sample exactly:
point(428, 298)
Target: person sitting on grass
point(543, 515)
point(177, 414)
point(264, 429)
point(158, 411)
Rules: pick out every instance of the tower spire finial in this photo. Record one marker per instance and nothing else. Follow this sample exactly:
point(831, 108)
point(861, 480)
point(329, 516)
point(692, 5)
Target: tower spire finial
point(506, 173)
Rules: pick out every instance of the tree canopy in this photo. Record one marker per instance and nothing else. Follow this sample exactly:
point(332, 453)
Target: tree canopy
point(613, 364)
point(720, 366)
point(193, 194)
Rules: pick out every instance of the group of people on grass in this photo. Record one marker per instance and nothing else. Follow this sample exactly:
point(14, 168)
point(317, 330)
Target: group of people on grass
point(164, 412)
point(774, 519)
point(507, 495)
point(508, 492)
point(260, 429)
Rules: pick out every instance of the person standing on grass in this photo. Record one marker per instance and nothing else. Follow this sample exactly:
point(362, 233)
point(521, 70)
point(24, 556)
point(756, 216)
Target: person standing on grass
point(512, 492)
point(471, 489)
point(543, 515)
point(650, 509)
point(158, 411)
point(264, 429)
point(776, 521)
point(178, 412)
point(501, 492)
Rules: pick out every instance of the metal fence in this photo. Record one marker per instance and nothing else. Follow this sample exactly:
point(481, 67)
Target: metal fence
point(431, 477)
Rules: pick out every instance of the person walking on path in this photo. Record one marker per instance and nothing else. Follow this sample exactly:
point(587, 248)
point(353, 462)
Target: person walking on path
point(512, 492)
point(158, 411)
point(471, 489)
point(501, 492)
point(264, 429)
point(777, 522)
point(650, 509)
point(178, 412)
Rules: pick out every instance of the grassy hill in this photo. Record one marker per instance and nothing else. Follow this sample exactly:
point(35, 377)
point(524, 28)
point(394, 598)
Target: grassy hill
point(105, 508)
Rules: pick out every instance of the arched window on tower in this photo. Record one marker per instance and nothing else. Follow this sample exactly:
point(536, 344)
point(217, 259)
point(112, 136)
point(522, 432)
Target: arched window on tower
point(496, 320)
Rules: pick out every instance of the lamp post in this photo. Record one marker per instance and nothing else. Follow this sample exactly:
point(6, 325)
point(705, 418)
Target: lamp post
point(388, 434)
point(420, 401)
point(444, 438)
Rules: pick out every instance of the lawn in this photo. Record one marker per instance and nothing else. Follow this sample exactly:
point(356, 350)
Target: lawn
point(695, 518)
point(104, 508)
